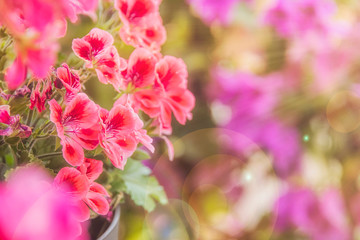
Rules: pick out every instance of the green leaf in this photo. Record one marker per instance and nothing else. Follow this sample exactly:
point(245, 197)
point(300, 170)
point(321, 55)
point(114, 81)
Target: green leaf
point(23, 156)
point(136, 181)
point(9, 159)
point(140, 155)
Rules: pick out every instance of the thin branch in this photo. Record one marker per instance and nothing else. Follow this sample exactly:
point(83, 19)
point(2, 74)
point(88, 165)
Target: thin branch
point(49, 155)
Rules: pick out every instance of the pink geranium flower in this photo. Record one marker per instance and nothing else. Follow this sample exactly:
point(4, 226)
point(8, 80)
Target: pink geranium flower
point(77, 127)
point(91, 168)
point(168, 95)
point(299, 17)
point(149, 33)
point(90, 47)
point(32, 209)
point(69, 80)
point(133, 11)
point(120, 134)
point(140, 71)
point(97, 50)
point(143, 25)
point(108, 67)
point(82, 187)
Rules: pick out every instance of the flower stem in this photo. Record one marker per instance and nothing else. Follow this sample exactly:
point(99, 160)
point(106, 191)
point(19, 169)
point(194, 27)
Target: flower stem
point(49, 155)
point(42, 128)
point(29, 117)
point(14, 156)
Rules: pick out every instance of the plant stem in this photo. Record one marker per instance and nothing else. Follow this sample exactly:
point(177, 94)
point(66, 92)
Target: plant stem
point(32, 144)
point(29, 117)
point(49, 155)
point(43, 127)
point(14, 156)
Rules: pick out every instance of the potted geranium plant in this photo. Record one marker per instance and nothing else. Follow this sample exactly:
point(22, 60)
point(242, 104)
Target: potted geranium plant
point(47, 118)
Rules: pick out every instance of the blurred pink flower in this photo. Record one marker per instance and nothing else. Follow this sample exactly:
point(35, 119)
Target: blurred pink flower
point(215, 11)
point(298, 17)
point(252, 101)
point(32, 209)
point(319, 217)
point(15, 74)
point(149, 33)
point(36, 25)
point(75, 7)
point(143, 25)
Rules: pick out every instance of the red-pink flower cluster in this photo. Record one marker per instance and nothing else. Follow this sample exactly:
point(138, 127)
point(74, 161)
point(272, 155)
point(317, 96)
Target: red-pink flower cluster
point(83, 125)
point(147, 81)
point(154, 84)
point(166, 94)
point(81, 185)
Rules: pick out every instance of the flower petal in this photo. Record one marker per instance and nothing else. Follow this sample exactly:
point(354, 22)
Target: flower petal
point(91, 168)
point(99, 40)
point(88, 138)
point(81, 112)
point(121, 118)
point(171, 72)
point(72, 181)
point(181, 103)
point(97, 202)
point(15, 74)
point(115, 154)
point(141, 68)
point(56, 116)
point(82, 212)
point(82, 49)
point(72, 151)
point(98, 188)
point(70, 81)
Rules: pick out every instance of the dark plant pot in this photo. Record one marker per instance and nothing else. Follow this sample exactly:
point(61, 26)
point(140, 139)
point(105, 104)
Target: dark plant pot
point(112, 229)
